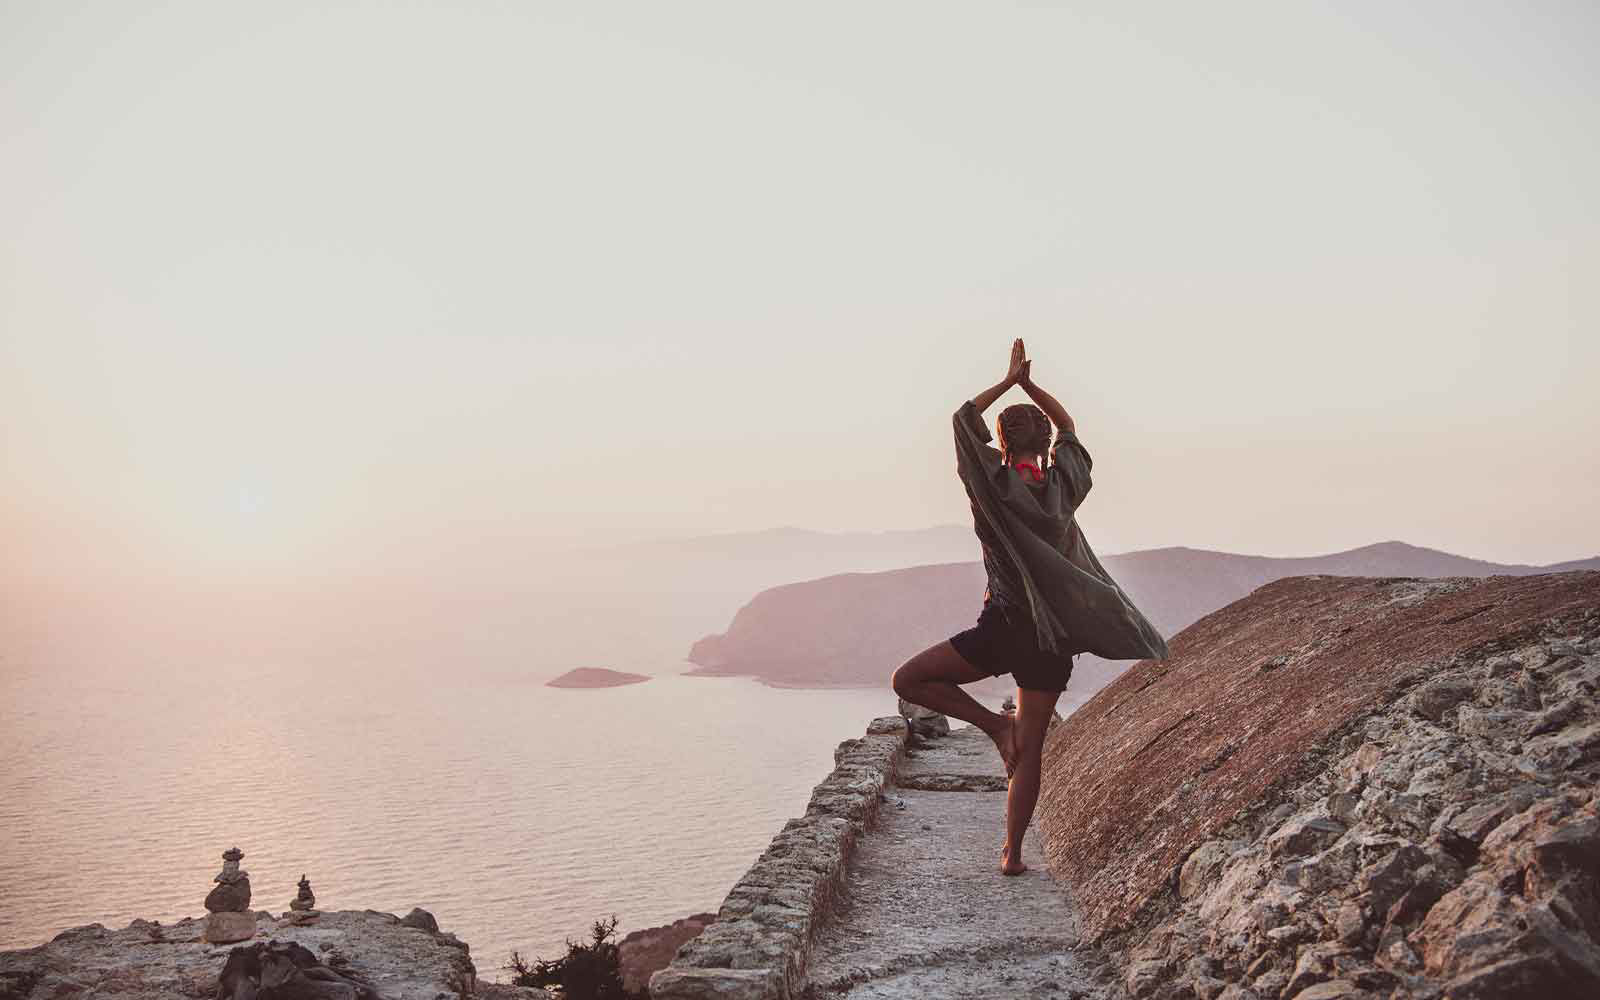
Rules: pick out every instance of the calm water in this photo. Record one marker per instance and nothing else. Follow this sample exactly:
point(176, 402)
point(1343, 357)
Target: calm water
point(516, 813)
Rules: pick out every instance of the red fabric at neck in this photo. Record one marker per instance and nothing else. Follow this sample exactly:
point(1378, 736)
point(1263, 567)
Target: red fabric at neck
point(1033, 470)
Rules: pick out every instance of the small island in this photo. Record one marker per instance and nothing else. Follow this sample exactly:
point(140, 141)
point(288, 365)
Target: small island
point(595, 677)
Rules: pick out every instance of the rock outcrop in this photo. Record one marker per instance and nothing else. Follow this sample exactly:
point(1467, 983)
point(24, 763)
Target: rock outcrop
point(643, 953)
point(1347, 787)
point(356, 950)
point(283, 970)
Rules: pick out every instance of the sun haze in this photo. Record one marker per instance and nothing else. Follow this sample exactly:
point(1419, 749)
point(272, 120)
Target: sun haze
point(296, 293)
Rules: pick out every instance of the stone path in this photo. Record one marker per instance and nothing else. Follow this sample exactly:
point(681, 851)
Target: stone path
point(926, 911)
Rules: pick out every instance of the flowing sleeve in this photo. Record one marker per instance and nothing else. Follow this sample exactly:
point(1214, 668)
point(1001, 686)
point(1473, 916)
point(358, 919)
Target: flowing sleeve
point(974, 455)
point(1070, 463)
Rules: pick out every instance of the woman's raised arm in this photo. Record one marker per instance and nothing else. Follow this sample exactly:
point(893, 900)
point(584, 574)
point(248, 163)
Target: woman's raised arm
point(1052, 408)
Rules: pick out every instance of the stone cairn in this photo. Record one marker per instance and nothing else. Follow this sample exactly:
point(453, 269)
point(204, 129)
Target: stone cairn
point(1009, 707)
point(924, 721)
point(302, 908)
point(229, 903)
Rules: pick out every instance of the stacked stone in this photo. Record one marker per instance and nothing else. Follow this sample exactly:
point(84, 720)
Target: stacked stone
point(303, 907)
point(229, 903)
point(924, 721)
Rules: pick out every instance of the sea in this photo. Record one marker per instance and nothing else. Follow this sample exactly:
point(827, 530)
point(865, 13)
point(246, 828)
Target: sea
point(518, 814)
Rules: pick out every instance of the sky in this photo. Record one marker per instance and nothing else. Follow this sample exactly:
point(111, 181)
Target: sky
point(290, 290)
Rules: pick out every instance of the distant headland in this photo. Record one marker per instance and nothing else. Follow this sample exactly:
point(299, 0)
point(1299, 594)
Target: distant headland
point(595, 677)
point(851, 629)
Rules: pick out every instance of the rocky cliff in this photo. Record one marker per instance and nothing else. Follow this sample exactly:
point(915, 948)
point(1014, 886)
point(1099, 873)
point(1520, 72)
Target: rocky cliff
point(1346, 787)
point(344, 953)
point(341, 955)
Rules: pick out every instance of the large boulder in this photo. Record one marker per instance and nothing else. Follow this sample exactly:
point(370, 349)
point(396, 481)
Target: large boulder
point(421, 919)
point(227, 926)
point(229, 897)
point(283, 970)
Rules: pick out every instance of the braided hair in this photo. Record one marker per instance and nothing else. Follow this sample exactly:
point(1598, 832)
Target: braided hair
point(1024, 430)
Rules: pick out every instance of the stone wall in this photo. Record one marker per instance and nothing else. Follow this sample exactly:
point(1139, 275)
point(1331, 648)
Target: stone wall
point(757, 947)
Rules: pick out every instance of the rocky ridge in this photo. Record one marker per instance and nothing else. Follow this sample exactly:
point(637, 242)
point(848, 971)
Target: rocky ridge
point(1347, 788)
point(395, 958)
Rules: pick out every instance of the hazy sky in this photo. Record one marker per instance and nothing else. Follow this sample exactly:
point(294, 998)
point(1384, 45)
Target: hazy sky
point(291, 288)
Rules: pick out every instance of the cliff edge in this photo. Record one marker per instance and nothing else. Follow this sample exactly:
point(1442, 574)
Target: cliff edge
point(346, 953)
point(1346, 787)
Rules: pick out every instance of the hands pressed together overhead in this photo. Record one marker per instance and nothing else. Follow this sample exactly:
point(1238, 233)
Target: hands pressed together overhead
point(1019, 372)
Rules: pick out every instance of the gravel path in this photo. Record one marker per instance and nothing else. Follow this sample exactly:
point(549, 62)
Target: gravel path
point(928, 913)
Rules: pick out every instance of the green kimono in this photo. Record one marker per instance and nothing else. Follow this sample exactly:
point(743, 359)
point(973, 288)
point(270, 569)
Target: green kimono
point(1036, 556)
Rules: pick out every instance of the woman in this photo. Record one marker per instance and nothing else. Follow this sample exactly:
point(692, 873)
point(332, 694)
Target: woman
point(1048, 596)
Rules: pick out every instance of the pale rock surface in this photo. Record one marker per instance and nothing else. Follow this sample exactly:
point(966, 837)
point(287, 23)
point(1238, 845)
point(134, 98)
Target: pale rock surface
point(151, 961)
point(283, 969)
point(1446, 844)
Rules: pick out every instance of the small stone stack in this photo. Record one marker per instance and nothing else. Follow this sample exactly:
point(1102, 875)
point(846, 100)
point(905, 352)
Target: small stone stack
point(302, 908)
point(229, 903)
point(924, 721)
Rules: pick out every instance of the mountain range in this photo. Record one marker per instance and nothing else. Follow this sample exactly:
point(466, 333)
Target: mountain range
point(853, 629)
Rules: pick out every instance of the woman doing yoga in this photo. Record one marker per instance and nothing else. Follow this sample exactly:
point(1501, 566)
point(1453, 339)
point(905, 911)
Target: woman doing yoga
point(1048, 597)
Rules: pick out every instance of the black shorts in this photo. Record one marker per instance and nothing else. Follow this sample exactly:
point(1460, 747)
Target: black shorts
point(1003, 642)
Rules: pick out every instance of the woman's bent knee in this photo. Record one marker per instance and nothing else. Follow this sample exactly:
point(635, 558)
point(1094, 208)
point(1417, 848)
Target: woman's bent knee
point(903, 680)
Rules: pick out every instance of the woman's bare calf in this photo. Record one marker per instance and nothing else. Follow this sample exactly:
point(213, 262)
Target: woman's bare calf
point(1034, 712)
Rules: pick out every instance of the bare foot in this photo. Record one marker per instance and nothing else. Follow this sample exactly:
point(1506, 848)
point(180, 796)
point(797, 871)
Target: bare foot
point(1005, 740)
point(1009, 867)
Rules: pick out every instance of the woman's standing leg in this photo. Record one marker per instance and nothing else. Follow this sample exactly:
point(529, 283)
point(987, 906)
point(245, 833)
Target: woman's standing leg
point(1034, 711)
point(933, 679)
